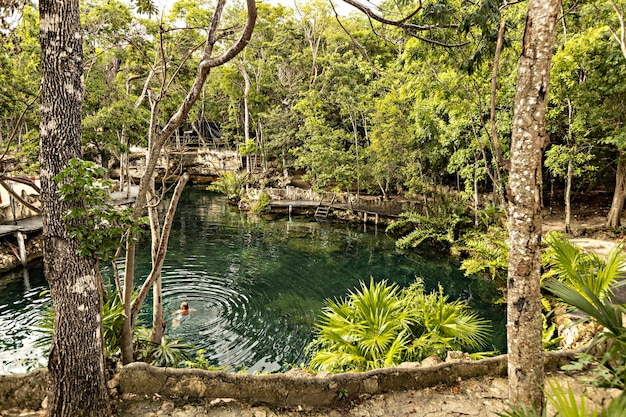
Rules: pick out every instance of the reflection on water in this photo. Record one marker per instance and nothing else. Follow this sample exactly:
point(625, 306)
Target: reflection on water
point(259, 283)
point(21, 304)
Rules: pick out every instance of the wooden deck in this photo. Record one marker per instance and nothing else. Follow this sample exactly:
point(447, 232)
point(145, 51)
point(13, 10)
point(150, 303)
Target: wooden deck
point(28, 225)
point(35, 223)
point(368, 213)
point(285, 204)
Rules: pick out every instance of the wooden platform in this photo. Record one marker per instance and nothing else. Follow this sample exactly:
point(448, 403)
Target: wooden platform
point(28, 225)
point(285, 204)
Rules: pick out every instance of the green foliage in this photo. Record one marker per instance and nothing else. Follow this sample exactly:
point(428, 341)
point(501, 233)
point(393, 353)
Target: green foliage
point(565, 402)
point(261, 203)
point(522, 411)
point(170, 352)
point(97, 225)
point(248, 148)
point(202, 362)
point(548, 340)
point(488, 254)
point(611, 370)
point(558, 158)
point(230, 184)
point(440, 225)
point(112, 321)
point(366, 331)
point(580, 269)
point(381, 325)
point(452, 321)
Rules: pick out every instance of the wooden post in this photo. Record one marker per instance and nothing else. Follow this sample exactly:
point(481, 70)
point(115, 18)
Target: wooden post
point(21, 247)
point(365, 217)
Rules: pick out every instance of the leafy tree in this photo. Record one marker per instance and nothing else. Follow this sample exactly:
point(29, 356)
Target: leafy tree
point(157, 137)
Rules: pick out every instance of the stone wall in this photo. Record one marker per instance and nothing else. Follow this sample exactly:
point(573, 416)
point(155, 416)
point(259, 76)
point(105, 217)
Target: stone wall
point(25, 391)
point(200, 163)
point(295, 388)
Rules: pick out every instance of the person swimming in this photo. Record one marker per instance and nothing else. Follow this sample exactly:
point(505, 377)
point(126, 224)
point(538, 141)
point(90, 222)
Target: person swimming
point(182, 314)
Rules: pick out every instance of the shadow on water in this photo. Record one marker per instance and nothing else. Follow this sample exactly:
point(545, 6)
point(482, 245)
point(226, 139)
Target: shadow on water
point(258, 284)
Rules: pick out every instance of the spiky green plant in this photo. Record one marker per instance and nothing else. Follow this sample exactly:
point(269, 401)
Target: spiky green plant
point(565, 403)
point(381, 325)
point(521, 411)
point(230, 184)
point(611, 370)
point(488, 254)
point(446, 323)
point(365, 331)
point(170, 352)
point(261, 203)
point(112, 320)
point(581, 269)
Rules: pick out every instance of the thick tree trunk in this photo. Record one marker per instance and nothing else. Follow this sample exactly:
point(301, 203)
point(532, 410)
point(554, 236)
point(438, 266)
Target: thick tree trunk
point(76, 374)
point(524, 322)
point(613, 218)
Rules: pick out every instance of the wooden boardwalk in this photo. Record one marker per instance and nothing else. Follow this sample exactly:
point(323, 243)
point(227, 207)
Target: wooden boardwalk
point(35, 223)
point(27, 225)
point(369, 213)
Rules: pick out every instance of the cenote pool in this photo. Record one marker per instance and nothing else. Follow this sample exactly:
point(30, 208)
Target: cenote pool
point(257, 283)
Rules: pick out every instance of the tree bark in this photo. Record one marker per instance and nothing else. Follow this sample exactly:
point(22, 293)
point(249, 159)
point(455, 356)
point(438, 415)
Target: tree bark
point(524, 321)
point(568, 197)
point(617, 205)
point(76, 372)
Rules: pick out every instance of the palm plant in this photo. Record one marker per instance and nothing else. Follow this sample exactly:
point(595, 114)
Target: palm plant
point(112, 320)
point(611, 370)
point(488, 254)
point(448, 324)
point(230, 184)
point(170, 352)
point(365, 331)
point(381, 325)
point(567, 404)
point(582, 270)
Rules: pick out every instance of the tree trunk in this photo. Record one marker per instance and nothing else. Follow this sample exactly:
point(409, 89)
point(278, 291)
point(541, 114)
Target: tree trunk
point(126, 339)
point(568, 197)
point(246, 115)
point(158, 317)
point(613, 218)
point(76, 373)
point(524, 321)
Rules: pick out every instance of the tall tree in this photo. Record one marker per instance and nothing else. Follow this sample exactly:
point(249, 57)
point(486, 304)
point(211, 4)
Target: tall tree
point(157, 137)
point(524, 322)
point(76, 374)
point(617, 205)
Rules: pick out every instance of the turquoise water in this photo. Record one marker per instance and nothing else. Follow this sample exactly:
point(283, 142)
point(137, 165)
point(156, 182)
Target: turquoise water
point(258, 283)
